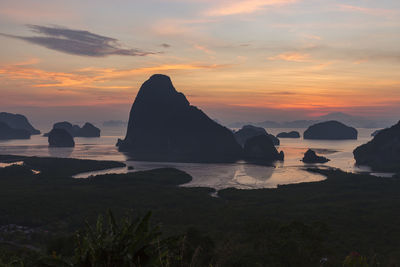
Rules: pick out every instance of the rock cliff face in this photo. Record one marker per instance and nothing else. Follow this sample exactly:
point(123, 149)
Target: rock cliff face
point(382, 153)
point(163, 126)
point(17, 121)
point(249, 131)
point(88, 130)
point(311, 157)
point(60, 138)
point(260, 148)
point(6, 132)
point(330, 130)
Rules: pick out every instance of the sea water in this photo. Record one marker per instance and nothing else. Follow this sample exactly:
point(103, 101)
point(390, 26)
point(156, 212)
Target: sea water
point(239, 175)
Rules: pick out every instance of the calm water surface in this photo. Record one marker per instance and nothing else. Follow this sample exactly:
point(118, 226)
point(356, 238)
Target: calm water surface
point(239, 175)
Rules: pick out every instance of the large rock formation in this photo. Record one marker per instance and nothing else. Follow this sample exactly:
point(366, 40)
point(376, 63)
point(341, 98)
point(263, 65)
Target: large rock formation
point(260, 148)
point(6, 132)
point(274, 139)
point(292, 134)
point(60, 138)
point(330, 130)
point(311, 157)
point(17, 121)
point(382, 153)
point(249, 131)
point(163, 126)
point(88, 130)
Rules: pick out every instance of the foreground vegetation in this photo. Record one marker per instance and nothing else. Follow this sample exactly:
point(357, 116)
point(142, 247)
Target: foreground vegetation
point(346, 215)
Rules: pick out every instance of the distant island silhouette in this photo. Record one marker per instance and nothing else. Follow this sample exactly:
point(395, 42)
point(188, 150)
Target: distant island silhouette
point(87, 130)
point(354, 121)
point(292, 134)
point(18, 121)
point(330, 130)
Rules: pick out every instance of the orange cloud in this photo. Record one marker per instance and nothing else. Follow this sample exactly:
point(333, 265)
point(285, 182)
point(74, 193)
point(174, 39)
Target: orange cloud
point(245, 6)
point(204, 49)
point(291, 56)
point(87, 77)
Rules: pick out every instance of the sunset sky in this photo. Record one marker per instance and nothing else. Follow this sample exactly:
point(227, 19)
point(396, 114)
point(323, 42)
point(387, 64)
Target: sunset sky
point(238, 60)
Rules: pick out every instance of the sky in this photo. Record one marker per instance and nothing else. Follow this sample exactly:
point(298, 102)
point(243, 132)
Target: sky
point(238, 60)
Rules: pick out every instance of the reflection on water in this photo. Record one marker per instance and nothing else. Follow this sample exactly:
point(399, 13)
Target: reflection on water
point(218, 176)
point(60, 152)
point(224, 175)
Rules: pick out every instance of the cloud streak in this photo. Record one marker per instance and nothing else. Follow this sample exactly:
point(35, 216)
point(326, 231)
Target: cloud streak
point(368, 11)
point(77, 42)
point(245, 7)
point(87, 77)
point(291, 56)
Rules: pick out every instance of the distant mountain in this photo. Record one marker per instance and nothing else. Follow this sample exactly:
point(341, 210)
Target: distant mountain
point(298, 124)
point(18, 121)
point(354, 121)
point(239, 124)
point(274, 124)
point(269, 124)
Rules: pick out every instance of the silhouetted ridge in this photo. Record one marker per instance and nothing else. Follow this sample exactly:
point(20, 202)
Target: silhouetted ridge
point(382, 153)
point(164, 126)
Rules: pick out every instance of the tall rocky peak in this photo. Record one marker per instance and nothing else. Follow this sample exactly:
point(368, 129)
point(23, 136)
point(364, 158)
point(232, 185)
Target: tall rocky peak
point(164, 126)
point(159, 90)
point(156, 100)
